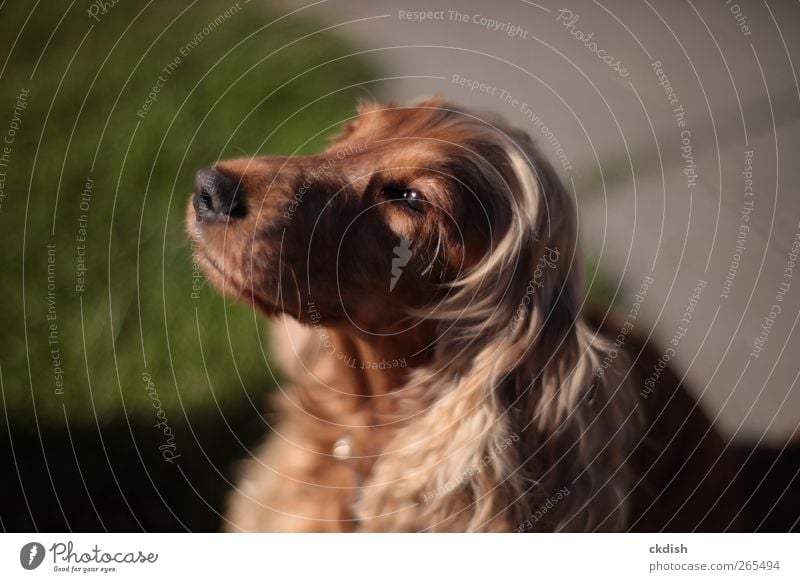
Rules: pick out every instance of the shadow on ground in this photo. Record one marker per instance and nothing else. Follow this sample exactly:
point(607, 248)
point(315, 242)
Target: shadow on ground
point(113, 478)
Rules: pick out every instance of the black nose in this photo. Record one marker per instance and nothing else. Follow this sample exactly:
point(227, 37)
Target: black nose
point(216, 195)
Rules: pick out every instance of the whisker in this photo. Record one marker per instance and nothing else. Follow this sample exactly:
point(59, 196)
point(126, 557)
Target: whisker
point(428, 269)
point(299, 296)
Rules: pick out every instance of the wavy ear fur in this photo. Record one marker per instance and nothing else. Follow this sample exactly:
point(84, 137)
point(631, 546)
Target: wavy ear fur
point(524, 431)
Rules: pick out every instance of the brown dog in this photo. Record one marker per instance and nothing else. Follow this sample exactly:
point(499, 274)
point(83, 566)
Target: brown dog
point(442, 374)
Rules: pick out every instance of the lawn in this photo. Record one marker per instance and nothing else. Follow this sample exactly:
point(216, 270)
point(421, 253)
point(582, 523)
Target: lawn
point(105, 114)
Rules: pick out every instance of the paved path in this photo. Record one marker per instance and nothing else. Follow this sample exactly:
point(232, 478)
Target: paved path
point(655, 142)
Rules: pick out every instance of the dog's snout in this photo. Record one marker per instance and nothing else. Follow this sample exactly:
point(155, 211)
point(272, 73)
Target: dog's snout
point(217, 195)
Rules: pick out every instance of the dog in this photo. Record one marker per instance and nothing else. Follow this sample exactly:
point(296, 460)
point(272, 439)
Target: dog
point(442, 369)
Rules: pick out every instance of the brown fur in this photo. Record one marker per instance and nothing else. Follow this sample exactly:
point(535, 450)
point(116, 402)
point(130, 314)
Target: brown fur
point(499, 418)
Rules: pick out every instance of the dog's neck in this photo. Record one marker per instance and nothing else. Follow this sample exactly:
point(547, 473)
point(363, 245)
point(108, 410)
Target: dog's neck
point(345, 379)
point(378, 370)
point(353, 392)
point(378, 365)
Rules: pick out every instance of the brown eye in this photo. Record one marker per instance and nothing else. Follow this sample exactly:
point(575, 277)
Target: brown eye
point(408, 196)
point(413, 199)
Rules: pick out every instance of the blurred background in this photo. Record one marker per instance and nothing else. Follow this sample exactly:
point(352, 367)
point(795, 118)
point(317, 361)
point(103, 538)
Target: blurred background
point(130, 388)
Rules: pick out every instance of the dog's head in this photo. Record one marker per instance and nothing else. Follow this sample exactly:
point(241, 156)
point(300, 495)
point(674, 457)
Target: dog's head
point(433, 213)
point(406, 202)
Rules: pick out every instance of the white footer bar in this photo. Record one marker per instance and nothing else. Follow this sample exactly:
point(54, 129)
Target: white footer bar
point(382, 557)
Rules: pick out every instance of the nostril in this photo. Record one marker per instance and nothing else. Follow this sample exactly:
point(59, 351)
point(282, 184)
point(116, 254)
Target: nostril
point(202, 205)
point(216, 194)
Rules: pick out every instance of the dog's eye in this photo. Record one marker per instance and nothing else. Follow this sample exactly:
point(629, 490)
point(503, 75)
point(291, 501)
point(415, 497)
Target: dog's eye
point(411, 197)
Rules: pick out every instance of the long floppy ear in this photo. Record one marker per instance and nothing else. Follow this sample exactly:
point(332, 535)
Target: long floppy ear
point(569, 391)
point(521, 418)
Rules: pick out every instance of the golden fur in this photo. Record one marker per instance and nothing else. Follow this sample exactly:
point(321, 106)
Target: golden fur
point(501, 415)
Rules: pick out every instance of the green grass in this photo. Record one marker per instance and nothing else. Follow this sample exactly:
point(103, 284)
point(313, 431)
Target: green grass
point(136, 313)
point(601, 287)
